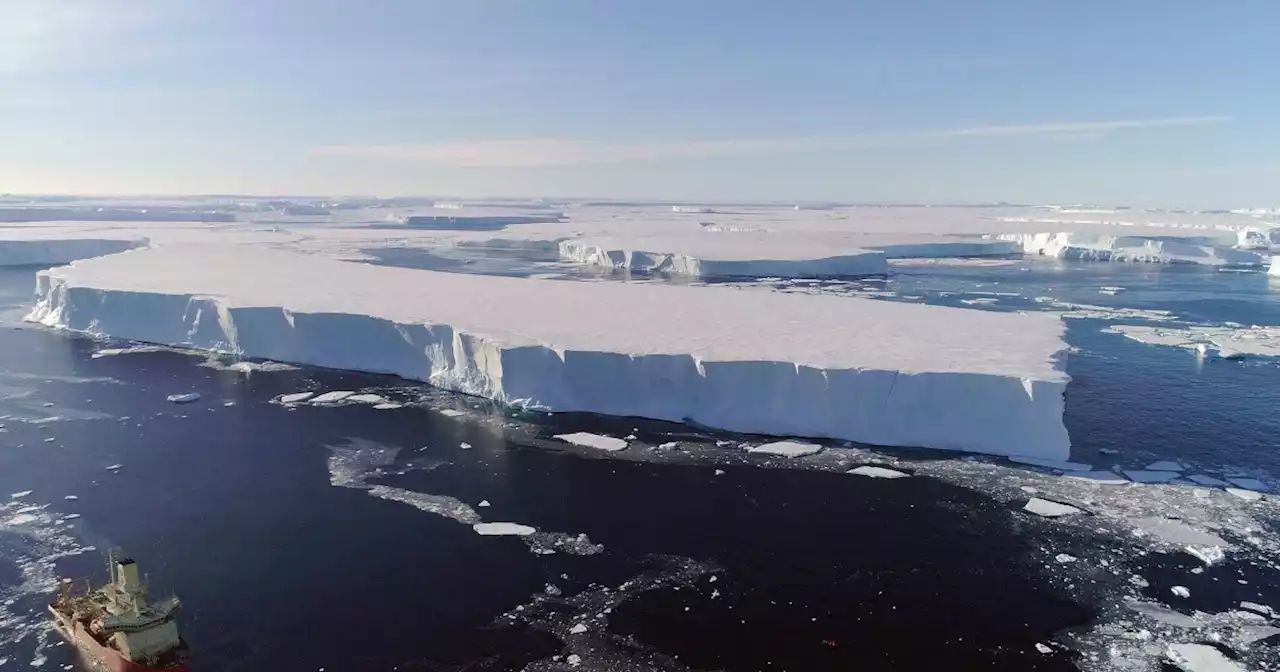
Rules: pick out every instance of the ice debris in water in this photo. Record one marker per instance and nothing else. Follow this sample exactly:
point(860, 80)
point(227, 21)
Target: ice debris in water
point(20, 495)
point(1051, 464)
point(1248, 483)
point(464, 445)
point(1049, 509)
point(1108, 451)
point(1112, 291)
point(578, 629)
point(295, 398)
point(1180, 591)
point(669, 445)
point(1165, 465)
point(450, 413)
point(785, 449)
point(391, 405)
point(183, 398)
point(331, 397)
point(484, 503)
point(371, 399)
point(1199, 658)
point(1064, 558)
point(573, 659)
point(1042, 648)
point(719, 472)
point(1201, 479)
point(503, 529)
point(71, 498)
point(1100, 477)
point(588, 440)
point(115, 467)
point(872, 471)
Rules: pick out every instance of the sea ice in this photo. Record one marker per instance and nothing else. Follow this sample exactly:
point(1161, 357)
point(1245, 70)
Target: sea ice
point(503, 529)
point(1180, 591)
point(1200, 658)
point(484, 503)
point(1100, 477)
point(597, 441)
point(115, 467)
point(876, 372)
point(372, 399)
point(331, 397)
point(1060, 465)
point(1246, 495)
point(578, 629)
point(1201, 479)
point(451, 413)
point(1248, 483)
point(55, 248)
point(1144, 476)
point(702, 254)
point(878, 472)
point(20, 495)
point(1165, 465)
point(1226, 342)
point(183, 398)
point(295, 397)
point(388, 406)
point(1110, 290)
point(785, 449)
point(1049, 509)
point(464, 445)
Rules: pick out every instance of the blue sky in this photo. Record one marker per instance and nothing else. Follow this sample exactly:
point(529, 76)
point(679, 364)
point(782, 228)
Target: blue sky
point(1169, 103)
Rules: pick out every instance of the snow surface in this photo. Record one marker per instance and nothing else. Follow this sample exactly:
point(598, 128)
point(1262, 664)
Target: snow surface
point(52, 250)
point(878, 472)
point(597, 441)
point(870, 371)
point(1200, 658)
point(1091, 246)
point(1227, 342)
point(1148, 476)
point(1049, 509)
point(503, 529)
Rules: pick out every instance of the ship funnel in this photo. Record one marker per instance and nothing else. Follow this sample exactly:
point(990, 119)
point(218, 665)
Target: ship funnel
point(127, 576)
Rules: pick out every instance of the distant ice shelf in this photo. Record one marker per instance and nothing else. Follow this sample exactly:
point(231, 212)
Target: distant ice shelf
point(725, 256)
point(1092, 246)
point(25, 251)
point(869, 371)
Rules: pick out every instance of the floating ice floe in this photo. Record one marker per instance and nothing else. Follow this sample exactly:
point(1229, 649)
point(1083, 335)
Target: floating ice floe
point(597, 441)
point(1200, 658)
point(20, 495)
point(503, 529)
point(1165, 465)
point(1248, 483)
point(1226, 342)
point(1246, 495)
point(1108, 451)
point(295, 398)
point(578, 629)
point(389, 406)
point(1180, 591)
point(484, 503)
point(719, 472)
point(872, 471)
point(115, 467)
point(71, 498)
point(464, 445)
point(183, 398)
point(785, 449)
point(1051, 464)
point(670, 445)
point(1100, 477)
point(331, 397)
point(1201, 479)
point(371, 399)
point(451, 413)
point(1110, 290)
point(1147, 476)
point(1049, 509)
point(1065, 558)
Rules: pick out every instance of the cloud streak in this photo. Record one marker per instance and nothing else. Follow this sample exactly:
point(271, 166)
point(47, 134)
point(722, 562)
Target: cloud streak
point(545, 152)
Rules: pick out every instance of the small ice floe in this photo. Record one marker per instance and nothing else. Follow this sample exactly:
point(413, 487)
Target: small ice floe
point(71, 498)
point(1145, 476)
point(71, 516)
point(1049, 509)
point(331, 397)
point(872, 471)
point(464, 445)
point(388, 406)
point(451, 413)
point(20, 495)
point(719, 472)
point(1100, 477)
point(228, 404)
point(1201, 479)
point(1246, 495)
point(1248, 483)
point(1043, 649)
point(185, 398)
point(670, 445)
point(597, 441)
point(1178, 532)
point(723, 444)
point(1165, 465)
point(785, 449)
point(295, 398)
point(484, 504)
point(503, 529)
point(371, 399)
point(1199, 658)
point(1110, 291)
point(573, 659)
point(1180, 591)
point(1108, 451)
point(1206, 554)
point(578, 629)
point(1064, 558)
point(1051, 464)
point(1259, 608)
point(115, 467)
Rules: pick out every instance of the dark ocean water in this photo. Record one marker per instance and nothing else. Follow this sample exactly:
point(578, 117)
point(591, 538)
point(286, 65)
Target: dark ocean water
point(231, 502)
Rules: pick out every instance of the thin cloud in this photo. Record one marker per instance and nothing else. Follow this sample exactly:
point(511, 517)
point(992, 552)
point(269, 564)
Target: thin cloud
point(50, 35)
point(544, 152)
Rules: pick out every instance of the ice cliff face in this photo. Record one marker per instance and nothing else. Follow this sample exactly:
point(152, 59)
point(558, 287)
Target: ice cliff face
point(848, 264)
point(714, 357)
point(61, 251)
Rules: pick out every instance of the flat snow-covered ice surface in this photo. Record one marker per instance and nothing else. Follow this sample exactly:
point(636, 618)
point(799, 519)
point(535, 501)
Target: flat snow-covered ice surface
point(869, 371)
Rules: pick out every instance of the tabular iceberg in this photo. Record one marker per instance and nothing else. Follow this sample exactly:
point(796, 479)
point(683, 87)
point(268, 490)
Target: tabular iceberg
point(45, 252)
point(725, 257)
point(1091, 246)
point(820, 366)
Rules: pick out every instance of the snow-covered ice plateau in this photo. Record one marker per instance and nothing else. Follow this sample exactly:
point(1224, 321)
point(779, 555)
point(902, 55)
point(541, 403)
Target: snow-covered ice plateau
point(870, 371)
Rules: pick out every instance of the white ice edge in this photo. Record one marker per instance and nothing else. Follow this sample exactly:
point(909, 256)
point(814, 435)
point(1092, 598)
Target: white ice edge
point(826, 367)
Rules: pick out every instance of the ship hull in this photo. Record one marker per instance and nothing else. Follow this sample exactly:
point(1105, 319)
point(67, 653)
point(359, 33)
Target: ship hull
point(109, 658)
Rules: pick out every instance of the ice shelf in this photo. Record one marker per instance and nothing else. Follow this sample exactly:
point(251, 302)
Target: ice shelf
point(1092, 246)
point(875, 372)
point(725, 256)
point(50, 251)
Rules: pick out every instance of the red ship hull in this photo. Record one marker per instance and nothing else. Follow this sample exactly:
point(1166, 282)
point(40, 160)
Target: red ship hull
point(106, 656)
